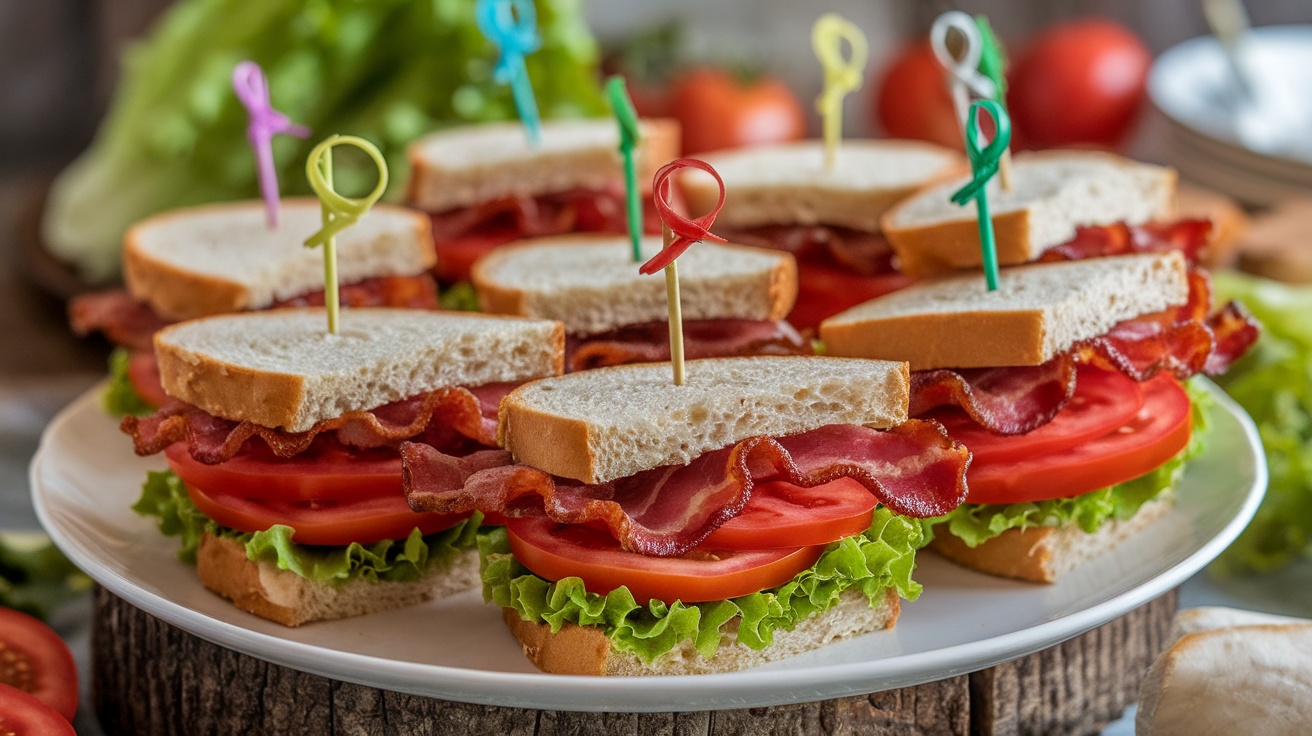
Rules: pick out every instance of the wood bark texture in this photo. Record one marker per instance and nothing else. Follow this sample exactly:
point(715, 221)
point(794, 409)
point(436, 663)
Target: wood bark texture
point(149, 677)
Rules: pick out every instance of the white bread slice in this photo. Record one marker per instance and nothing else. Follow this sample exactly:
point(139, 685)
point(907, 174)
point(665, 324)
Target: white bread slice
point(1040, 554)
point(1252, 679)
point(291, 600)
point(469, 165)
point(1054, 192)
point(281, 368)
point(223, 258)
point(585, 650)
point(592, 284)
point(1039, 310)
point(787, 183)
point(599, 425)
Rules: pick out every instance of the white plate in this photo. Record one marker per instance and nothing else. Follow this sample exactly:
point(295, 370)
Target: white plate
point(84, 478)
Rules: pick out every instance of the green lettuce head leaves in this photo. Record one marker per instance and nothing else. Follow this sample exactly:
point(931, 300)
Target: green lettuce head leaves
point(880, 558)
point(121, 397)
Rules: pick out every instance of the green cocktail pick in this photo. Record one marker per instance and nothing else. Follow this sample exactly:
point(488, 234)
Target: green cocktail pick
point(630, 134)
point(983, 165)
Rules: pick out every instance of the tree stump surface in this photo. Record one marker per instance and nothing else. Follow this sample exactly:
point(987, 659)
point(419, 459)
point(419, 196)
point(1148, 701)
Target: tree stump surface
point(149, 677)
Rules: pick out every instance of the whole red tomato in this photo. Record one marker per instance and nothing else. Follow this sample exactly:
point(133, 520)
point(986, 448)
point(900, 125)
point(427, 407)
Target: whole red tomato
point(912, 99)
point(1078, 82)
point(720, 110)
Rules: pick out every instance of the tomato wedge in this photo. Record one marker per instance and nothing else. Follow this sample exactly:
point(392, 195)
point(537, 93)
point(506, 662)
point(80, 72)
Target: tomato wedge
point(21, 714)
point(143, 374)
point(330, 472)
point(824, 290)
point(556, 551)
point(322, 522)
point(1158, 432)
point(35, 660)
point(781, 514)
point(1103, 401)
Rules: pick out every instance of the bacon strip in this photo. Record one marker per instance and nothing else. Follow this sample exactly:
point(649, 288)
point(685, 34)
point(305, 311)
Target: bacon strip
point(1190, 237)
point(586, 210)
point(1183, 341)
point(707, 338)
point(440, 417)
point(855, 251)
point(914, 469)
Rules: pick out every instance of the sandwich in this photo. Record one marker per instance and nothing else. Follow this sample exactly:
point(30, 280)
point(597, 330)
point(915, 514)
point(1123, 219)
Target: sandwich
point(782, 197)
point(223, 258)
point(1063, 205)
point(1066, 384)
point(733, 297)
point(485, 185)
point(284, 478)
point(765, 508)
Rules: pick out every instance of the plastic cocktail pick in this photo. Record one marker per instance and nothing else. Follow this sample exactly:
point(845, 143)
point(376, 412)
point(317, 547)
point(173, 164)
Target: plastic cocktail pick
point(680, 233)
point(265, 122)
point(513, 26)
point(630, 134)
point(974, 66)
point(339, 212)
point(841, 75)
point(984, 164)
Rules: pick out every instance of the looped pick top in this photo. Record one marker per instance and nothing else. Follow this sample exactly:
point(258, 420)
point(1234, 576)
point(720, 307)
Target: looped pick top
point(339, 212)
point(513, 26)
point(630, 134)
point(964, 65)
point(252, 89)
point(841, 75)
point(984, 164)
point(685, 231)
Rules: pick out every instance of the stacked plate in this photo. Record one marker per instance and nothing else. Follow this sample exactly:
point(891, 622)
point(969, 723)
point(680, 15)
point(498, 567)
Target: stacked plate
point(1252, 139)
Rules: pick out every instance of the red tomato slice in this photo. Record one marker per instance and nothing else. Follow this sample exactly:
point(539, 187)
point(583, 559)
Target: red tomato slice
point(781, 514)
point(328, 523)
point(455, 256)
point(1158, 432)
point(330, 472)
point(556, 551)
point(24, 715)
point(824, 290)
point(34, 660)
point(1103, 401)
point(143, 374)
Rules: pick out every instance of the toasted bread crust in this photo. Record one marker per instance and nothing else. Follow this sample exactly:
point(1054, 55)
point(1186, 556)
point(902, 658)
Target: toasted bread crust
point(960, 340)
point(178, 293)
point(1041, 554)
point(291, 600)
point(931, 249)
point(585, 650)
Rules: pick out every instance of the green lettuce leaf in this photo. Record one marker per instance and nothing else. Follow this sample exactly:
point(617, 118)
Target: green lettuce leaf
point(460, 297)
point(880, 558)
point(975, 523)
point(164, 497)
point(35, 577)
point(1274, 385)
point(121, 397)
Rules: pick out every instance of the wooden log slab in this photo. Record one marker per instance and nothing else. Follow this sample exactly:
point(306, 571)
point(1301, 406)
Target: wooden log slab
point(149, 677)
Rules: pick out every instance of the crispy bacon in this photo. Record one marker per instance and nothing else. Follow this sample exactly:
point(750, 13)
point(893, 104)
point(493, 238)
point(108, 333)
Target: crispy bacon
point(1190, 237)
point(855, 251)
point(575, 210)
point(442, 418)
point(132, 324)
point(1182, 341)
point(914, 469)
point(709, 338)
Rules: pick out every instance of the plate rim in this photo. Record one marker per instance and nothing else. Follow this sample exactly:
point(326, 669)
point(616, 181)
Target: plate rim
point(636, 693)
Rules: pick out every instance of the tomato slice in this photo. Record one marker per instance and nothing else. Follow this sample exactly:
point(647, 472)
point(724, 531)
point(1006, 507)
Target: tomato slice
point(329, 472)
point(1158, 432)
point(781, 514)
point(36, 661)
point(21, 714)
point(322, 522)
point(824, 290)
point(556, 551)
point(1103, 401)
point(143, 374)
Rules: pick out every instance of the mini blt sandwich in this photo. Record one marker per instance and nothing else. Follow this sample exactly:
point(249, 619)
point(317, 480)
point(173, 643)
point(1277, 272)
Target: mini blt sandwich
point(768, 506)
point(486, 185)
point(1063, 205)
point(223, 258)
point(733, 297)
point(1066, 386)
point(284, 478)
point(782, 197)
